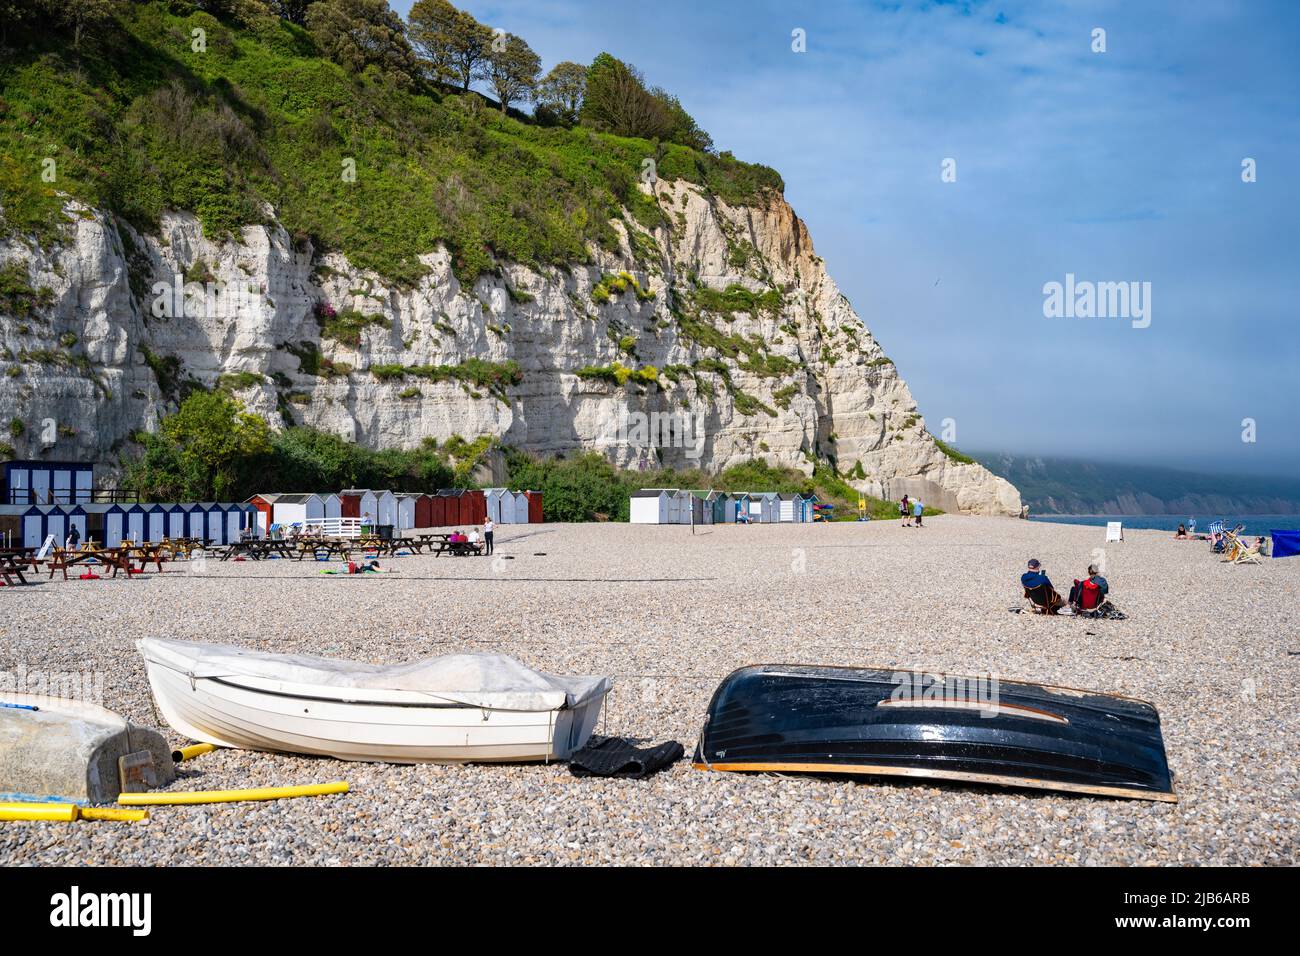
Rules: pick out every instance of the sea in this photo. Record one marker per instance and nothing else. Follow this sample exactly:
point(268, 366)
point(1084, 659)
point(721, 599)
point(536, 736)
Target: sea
point(1255, 524)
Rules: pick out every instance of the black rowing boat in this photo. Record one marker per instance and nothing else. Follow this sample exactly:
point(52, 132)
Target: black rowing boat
point(837, 720)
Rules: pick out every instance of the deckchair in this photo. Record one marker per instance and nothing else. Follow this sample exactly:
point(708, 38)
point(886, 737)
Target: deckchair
point(1044, 599)
point(1238, 552)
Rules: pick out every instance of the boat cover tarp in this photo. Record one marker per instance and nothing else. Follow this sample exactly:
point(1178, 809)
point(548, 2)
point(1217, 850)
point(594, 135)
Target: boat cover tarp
point(1286, 544)
point(478, 680)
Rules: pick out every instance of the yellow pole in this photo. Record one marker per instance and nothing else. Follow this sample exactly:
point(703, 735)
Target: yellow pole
point(112, 813)
point(230, 796)
point(67, 812)
point(192, 751)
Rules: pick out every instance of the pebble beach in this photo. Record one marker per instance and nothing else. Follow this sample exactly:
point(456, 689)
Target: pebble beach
point(668, 614)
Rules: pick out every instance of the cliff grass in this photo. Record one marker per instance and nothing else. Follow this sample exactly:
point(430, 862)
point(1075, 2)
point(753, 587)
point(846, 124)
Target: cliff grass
point(138, 121)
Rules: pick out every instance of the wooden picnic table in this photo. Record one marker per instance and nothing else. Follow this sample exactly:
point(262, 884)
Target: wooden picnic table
point(261, 548)
point(11, 568)
point(116, 558)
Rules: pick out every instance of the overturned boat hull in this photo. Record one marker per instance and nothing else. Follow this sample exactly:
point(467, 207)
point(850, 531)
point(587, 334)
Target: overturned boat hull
point(841, 720)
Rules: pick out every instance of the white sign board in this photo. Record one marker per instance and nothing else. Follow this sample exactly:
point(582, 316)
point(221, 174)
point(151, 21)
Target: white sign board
point(44, 553)
point(1114, 531)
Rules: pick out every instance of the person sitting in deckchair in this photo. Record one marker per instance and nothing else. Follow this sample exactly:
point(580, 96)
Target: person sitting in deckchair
point(1039, 590)
point(1090, 593)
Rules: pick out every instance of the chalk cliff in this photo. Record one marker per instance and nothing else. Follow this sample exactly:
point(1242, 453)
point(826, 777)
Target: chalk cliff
point(725, 321)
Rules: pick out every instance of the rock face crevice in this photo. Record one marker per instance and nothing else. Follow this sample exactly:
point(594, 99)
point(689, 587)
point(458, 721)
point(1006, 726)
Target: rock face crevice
point(720, 322)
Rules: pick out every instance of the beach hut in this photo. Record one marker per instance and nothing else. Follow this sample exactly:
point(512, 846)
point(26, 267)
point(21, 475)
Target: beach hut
point(739, 506)
point(176, 520)
point(520, 502)
point(451, 506)
point(296, 509)
point(196, 520)
point(754, 502)
point(719, 502)
point(437, 511)
point(787, 507)
point(134, 530)
point(807, 506)
point(771, 507)
point(113, 527)
point(701, 507)
point(350, 502)
point(264, 505)
point(473, 507)
point(48, 482)
point(534, 507)
point(76, 518)
point(34, 524)
point(331, 506)
point(423, 511)
point(155, 522)
point(650, 506)
point(500, 505)
point(405, 511)
point(385, 508)
point(238, 517)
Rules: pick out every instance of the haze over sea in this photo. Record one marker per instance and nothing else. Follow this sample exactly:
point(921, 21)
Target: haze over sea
point(1255, 524)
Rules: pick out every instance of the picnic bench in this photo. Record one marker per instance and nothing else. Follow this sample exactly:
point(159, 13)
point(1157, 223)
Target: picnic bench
point(116, 558)
point(261, 548)
point(440, 544)
point(11, 568)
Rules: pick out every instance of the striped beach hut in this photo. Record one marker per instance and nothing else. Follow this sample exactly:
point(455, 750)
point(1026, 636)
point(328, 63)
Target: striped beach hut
point(787, 507)
point(807, 506)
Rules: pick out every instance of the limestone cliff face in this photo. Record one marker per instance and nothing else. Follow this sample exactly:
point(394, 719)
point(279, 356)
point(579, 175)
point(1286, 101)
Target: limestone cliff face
point(119, 320)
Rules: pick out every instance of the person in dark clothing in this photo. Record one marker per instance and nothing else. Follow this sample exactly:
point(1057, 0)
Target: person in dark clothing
point(1039, 590)
point(74, 538)
point(489, 526)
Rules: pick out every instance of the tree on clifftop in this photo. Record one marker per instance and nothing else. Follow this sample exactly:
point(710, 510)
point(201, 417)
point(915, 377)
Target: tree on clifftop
point(359, 33)
point(512, 69)
point(561, 91)
point(456, 45)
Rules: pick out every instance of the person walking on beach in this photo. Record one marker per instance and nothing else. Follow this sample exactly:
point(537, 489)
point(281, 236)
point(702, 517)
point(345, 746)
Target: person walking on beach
point(905, 509)
point(917, 507)
point(488, 528)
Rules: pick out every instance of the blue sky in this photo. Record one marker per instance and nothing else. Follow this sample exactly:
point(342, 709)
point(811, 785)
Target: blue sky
point(1115, 166)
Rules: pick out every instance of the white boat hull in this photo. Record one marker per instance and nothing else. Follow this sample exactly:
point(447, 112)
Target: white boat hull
point(231, 714)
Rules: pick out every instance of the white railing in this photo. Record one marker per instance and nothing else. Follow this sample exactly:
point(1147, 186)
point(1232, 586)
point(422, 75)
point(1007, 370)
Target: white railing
point(333, 527)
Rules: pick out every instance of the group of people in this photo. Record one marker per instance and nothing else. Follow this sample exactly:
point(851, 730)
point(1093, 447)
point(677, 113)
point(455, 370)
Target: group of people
point(910, 511)
point(489, 529)
point(1089, 597)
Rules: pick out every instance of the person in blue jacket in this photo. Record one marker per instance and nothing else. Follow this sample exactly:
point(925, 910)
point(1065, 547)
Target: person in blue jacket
point(1036, 577)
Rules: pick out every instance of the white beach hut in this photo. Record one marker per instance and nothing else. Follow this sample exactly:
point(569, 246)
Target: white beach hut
point(650, 506)
point(406, 511)
point(386, 508)
point(788, 507)
point(500, 505)
point(331, 506)
point(297, 509)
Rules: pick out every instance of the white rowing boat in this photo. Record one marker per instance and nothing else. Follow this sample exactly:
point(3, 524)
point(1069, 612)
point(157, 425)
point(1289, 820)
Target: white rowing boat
point(454, 709)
